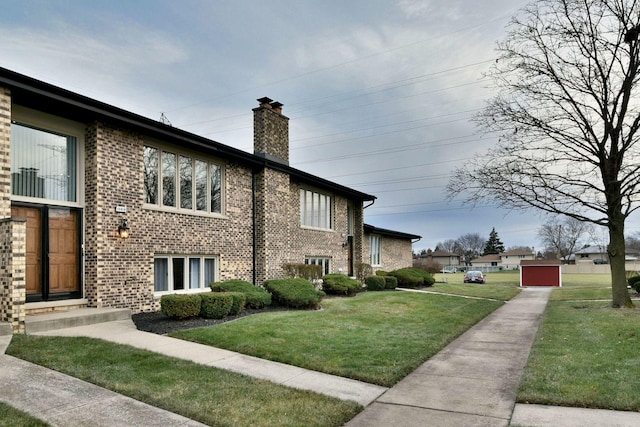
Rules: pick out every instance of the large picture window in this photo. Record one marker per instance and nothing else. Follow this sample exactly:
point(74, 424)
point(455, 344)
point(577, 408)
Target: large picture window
point(179, 181)
point(43, 164)
point(315, 209)
point(184, 272)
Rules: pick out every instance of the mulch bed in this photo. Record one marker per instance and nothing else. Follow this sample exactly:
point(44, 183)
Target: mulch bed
point(158, 323)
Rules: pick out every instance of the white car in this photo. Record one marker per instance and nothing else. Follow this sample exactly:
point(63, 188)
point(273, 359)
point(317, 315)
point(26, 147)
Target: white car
point(449, 270)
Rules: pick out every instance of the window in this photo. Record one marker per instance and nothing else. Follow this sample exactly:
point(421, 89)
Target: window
point(184, 272)
point(315, 209)
point(43, 164)
point(324, 262)
point(185, 183)
point(375, 244)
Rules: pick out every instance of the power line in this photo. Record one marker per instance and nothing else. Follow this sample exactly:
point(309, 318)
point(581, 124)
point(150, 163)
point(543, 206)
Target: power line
point(396, 150)
point(364, 57)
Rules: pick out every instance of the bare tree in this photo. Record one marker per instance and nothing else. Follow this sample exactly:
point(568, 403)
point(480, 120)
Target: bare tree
point(470, 246)
point(563, 236)
point(449, 245)
point(567, 112)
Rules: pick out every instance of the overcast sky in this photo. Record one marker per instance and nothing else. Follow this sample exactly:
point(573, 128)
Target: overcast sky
point(379, 93)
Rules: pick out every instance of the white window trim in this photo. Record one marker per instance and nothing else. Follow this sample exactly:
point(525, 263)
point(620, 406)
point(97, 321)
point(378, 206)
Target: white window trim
point(375, 240)
point(204, 287)
point(193, 156)
point(324, 261)
point(303, 212)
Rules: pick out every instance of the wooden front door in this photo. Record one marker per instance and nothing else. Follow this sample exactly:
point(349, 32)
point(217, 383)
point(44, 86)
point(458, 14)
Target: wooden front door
point(64, 248)
point(53, 251)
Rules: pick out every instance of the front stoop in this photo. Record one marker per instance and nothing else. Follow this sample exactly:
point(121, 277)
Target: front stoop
point(68, 319)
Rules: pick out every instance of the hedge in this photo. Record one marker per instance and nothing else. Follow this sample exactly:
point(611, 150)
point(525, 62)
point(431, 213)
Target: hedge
point(375, 283)
point(295, 293)
point(340, 284)
point(239, 301)
point(216, 305)
point(390, 282)
point(256, 297)
point(412, 278)
point(181, 306)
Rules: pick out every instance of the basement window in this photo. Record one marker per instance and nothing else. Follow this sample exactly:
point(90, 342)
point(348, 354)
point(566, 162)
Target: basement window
point(184, 273)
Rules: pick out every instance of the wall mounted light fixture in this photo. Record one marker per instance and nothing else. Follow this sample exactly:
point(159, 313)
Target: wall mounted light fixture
point(123, 229)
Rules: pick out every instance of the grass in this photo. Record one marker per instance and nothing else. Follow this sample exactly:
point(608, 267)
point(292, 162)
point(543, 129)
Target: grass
point(377, 337)
point(585, 355)
point(12, 417)
point(209, 395)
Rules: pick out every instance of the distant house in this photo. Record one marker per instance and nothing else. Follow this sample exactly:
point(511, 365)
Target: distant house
point(510, 260)
point(595, 254)
point(439, 256)
point(491, 260)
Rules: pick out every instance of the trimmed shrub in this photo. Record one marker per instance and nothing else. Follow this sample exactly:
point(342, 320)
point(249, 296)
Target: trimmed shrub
point(634, 282)
point(382, 273)
point(340, 284)
point(216, 305)
point(256, 296)
point(306, 271)
point(181, 306)
point(295, 293)
point(390, 282)
point(375, 283)
point(239, 301)
point(363, 271)
point(413, 278)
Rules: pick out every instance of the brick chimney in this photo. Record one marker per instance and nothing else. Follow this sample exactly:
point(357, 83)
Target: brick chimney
point(271, 131)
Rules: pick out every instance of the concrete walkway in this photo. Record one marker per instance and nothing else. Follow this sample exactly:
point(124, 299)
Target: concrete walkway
point(125, 332)
point(61, 400)
point(474, 380)
point(471, 382)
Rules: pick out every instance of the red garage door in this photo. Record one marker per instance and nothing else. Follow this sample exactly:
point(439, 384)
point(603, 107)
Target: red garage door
point(540, 274)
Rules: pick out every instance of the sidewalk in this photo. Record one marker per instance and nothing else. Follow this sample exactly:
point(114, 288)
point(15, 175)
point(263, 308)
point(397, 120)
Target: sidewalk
point(125, 332)
point(471, 382)
point(61, 400)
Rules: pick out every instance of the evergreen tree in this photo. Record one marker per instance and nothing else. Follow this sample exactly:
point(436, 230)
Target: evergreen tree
point(494, 245)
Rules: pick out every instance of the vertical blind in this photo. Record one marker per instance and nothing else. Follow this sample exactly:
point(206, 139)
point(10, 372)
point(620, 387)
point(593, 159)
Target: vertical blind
point(43, 164)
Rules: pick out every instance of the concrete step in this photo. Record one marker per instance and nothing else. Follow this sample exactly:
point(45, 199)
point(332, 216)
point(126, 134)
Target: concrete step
point(72, 318)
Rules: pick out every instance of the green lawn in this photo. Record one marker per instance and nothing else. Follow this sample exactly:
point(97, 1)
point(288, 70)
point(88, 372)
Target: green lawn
point(377, 337)
point(12, 417)
point(585, 353)
point(211, 396)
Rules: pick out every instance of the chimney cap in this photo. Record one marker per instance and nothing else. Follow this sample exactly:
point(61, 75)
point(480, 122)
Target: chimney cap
point(276, 105)
point(264, 101)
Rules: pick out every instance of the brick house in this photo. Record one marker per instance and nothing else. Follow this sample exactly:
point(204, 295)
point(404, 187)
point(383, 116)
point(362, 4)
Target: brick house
point(388, 249)
point(101, 207)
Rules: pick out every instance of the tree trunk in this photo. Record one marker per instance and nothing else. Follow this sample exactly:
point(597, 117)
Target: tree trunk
point(620, 294)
